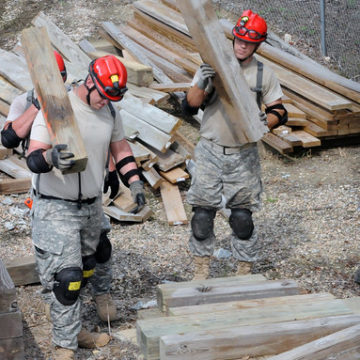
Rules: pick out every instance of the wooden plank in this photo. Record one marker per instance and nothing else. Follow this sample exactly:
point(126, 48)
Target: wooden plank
point(153, 178)
point(151, 330)
point(156, 97)
point(7, 291)
point(307, 140)
point(315, 130)
point(121, 215)
point(4, 108)
point(8, 92)
point(140, 152)
point(275, 142)
point(4, 152)
point(297, 122)
point(79, 60)
point(168, 160)
point(15, 186)
point(149, 134)
point(250, 304)
point(305, 87)
point(13, 169)
point(163, 28)
point(12, 349)
point(294, 112)
point(13, 68)
point(343, 344)
point(194, 294)
point(11, 325)
point(151, 114)
point(138, 74)
point(258, 340)
point(135, 50)
point(22, 270)
point(171, 87)
point(55, 104)
point(174, 207)
point(183, 141)
point(234, 93)
point(165, 52)
point(124, 201)
point(162, 13)
point(175, 175)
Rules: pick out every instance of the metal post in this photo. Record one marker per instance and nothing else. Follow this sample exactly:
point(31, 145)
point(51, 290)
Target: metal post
point(322, 21)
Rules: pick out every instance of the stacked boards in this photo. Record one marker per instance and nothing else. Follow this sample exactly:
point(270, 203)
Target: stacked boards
point(235, 317)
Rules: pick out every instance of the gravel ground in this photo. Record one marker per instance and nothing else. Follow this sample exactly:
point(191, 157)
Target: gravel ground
point(309, 222)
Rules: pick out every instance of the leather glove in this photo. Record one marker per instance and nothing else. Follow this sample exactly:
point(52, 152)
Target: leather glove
point(137, 192)
point(206, 74)
point(56, 157)
point(112, 181)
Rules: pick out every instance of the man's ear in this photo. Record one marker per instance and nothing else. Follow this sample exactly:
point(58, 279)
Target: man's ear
point(89, 82)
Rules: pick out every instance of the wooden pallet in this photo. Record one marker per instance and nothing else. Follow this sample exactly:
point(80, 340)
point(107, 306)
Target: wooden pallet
point(235, 317)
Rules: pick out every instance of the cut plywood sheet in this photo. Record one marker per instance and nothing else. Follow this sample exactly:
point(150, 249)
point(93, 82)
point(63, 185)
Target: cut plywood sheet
point(174, 207)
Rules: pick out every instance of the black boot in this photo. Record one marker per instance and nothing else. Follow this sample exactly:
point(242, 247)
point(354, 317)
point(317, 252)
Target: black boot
point(357, 276)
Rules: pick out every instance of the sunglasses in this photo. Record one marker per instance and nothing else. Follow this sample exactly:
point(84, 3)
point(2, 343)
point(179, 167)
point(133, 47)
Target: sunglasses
point(253, 34)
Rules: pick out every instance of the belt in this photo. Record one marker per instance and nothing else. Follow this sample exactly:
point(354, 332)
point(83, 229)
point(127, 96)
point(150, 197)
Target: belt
point(88, 201)
point(228, 150)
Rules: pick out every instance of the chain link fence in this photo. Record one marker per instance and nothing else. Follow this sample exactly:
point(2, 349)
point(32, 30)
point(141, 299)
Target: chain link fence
point(301, 19)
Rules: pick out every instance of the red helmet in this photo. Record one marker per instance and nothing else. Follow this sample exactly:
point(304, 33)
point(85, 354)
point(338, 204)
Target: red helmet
point(61, 65)
point(109, 76)
point(250, 27)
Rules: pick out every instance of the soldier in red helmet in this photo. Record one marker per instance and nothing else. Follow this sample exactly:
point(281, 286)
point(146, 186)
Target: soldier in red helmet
point(67, 209)
point(225, 168)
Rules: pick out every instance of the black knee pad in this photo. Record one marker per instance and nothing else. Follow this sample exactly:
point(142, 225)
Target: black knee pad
point(89, 263)
point(241, 222)
point(202, 223)
point(103, 250)
point(9, 138)
point(68, 284)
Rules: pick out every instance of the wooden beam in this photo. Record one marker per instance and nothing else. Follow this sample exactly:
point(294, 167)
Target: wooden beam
point(138, 74)
point(15, 186)
point(258, 340)
point(171, 87)
point(153, 178)
point(343, 344)
point(174, 207)
point(11, 167)
point(23, 270)
point(275, 142)
point(55, 104)
point(235, 96)
point(175, 175)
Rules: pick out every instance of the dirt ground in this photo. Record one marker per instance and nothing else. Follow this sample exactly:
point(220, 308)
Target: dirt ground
point(309, 222)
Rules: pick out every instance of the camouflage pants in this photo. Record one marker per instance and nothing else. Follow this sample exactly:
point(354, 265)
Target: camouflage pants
point(62, 234)
point(237, 177)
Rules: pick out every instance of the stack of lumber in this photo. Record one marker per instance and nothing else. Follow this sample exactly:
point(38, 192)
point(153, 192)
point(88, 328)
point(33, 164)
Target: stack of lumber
point(321, 104)
point(11, 329)
point(159, 148)
point(244, 316)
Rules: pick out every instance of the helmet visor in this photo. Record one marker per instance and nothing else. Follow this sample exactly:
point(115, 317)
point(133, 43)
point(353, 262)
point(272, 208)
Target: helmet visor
point(253, 34)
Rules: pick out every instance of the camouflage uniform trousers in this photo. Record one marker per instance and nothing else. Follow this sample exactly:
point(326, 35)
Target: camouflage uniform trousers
point(236, 177)
point(62, 234)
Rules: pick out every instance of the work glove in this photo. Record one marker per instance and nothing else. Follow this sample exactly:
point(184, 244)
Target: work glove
point(36, 103)
point(112, 181)
point(138, 195)
point(206, 75)
point(56, 157)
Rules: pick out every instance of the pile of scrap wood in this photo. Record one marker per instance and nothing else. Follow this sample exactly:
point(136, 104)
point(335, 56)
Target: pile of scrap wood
point(248, 317)
point(159, 148)
point(321, 104)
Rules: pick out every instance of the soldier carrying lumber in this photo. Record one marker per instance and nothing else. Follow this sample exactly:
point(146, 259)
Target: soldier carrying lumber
point(67, 210)
point(16, 130)
point(225, 167)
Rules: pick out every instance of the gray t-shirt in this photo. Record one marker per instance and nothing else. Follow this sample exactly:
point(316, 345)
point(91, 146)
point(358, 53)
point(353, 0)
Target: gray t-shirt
point(214, 125)
point(98, 129)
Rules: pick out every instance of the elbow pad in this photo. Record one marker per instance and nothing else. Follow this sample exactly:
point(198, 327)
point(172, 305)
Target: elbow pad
point(187, 109)
point(126, 177)
point(282, 118)
point(36, 162)
point(9, 138)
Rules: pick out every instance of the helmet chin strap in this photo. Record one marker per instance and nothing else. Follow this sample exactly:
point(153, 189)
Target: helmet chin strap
point(89, 91)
